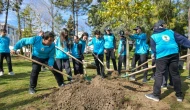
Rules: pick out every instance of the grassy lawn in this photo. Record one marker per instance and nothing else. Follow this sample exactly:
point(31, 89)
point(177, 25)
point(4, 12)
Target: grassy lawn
point(14, 89)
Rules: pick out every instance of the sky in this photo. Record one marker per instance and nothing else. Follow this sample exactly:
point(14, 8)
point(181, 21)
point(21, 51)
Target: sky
point(40, 7)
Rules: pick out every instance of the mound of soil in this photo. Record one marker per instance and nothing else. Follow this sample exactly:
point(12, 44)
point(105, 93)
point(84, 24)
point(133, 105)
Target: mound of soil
point(103, 94)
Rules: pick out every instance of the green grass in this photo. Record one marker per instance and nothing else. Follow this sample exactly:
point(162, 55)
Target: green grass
point(14, 89)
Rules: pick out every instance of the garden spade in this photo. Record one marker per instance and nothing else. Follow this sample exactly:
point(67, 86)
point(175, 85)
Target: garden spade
point(85, 74)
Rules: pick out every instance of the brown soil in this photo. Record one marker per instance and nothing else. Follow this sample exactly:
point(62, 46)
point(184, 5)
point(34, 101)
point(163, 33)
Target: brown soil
point(103, 94)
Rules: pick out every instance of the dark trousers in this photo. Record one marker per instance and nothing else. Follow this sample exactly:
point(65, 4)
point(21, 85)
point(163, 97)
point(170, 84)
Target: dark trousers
point(78, 67)
point(36, 68)
point(121, 59)
point(153, 69)
point(142, 58)
point(168, 62)
point(66, 64)
point(110, 53)
point(7, 56)
point(165, 76)
point(100, 67)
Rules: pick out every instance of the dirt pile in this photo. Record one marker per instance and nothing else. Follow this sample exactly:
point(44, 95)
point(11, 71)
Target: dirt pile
point(103, 94)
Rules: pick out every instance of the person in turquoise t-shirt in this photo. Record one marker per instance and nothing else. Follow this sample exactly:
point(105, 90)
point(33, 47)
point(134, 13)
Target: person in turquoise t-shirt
point(98, 50)
point(76, 50)
point(121, 51)
point(109, 48)
point(43, 51)
point(5, 52)
point(62, 59)
point(83, 41)
point(140, 50)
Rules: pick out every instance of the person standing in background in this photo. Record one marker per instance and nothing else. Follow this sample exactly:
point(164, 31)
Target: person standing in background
point(83, 41)
point(109, 48)
point(76, 50)
point(98, 50)
point(121, 51)
point(140, 50)
point(5, 52)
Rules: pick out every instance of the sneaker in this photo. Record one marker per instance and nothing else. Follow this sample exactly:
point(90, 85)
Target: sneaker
point(152, 97)
point(164, 87)
point(152, 78)
point(32, 91)
point(132, 78)
point(1, 73)
point(188, 77)
point(179, 99)
point(62, 85)
point(43, 69)
point(11, 73)
point(144, 80)
point(170, 86)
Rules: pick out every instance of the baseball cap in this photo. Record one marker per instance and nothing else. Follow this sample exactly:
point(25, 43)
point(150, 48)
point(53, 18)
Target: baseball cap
point(121, 33)
point(138, 27)
point(108, 29)
point(159, 23)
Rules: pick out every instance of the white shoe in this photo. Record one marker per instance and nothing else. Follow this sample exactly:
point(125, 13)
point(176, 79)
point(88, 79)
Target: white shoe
point(1, 73)
point(11, 73)
point(43, 69)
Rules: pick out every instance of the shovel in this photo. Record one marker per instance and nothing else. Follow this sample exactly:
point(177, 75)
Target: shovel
point(137, 72)
point(44, 65)
point(85, 74)
point(102, 63)
point(126, 75)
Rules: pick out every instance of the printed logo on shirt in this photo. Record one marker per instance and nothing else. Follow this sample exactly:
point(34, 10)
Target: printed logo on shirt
point(42, 49)
point(166, 38)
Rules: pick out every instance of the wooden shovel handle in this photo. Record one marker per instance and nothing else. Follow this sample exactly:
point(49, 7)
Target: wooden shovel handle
point(98, 59)
point(152, 67)
point(142, 64)
point(44, 65)
point(69, 55)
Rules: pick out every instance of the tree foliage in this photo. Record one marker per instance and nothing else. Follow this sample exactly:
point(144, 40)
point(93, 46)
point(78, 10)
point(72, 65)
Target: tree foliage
point(28, 19)
point(1, 6)
point(59, 22)
point(122, 14)
point(68, 4)
point(69, 25)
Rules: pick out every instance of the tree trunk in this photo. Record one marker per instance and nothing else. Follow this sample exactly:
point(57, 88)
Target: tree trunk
point(73, 6)
point(52, 15)
point(19, 25)
point(127, 55)
point(188, 52)
point(7, 11)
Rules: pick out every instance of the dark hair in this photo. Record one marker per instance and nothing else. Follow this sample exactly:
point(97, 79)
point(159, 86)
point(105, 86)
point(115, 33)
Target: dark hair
point(41, 31)
point(48, 34)
point(62, 34)
point(138, 27)
point(76, 36)
point(3, 30)
point(63, 31)
point(84, 34)
point(97, 32)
